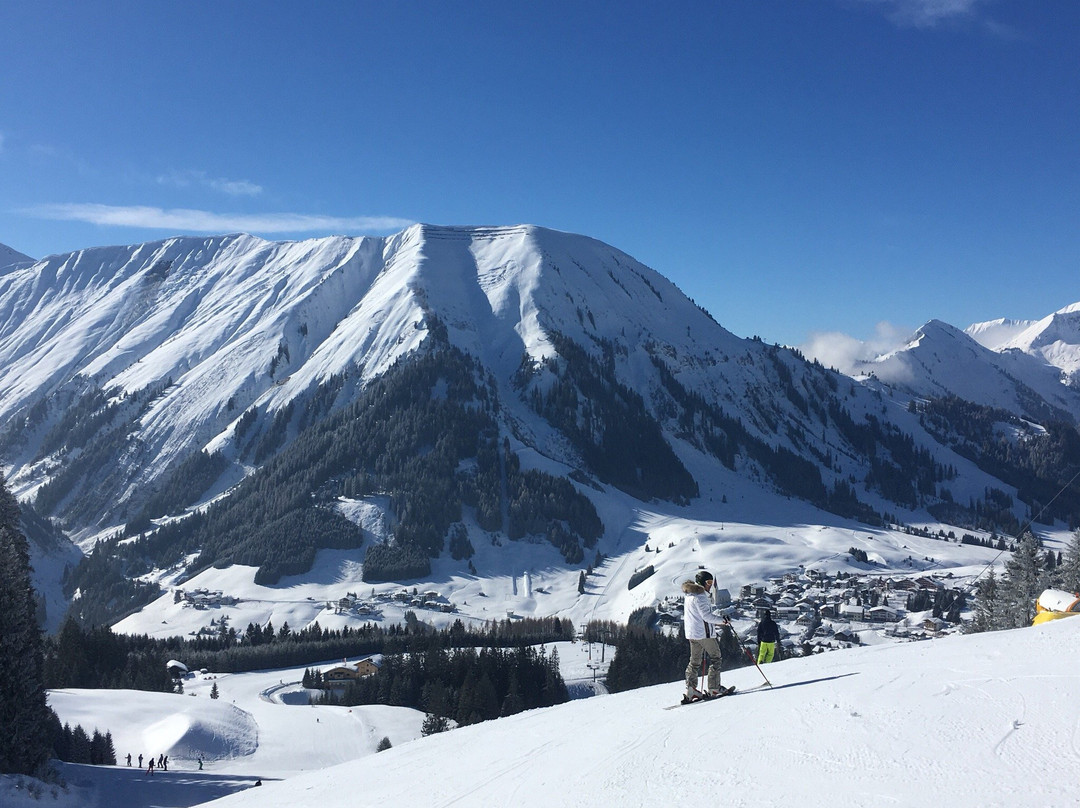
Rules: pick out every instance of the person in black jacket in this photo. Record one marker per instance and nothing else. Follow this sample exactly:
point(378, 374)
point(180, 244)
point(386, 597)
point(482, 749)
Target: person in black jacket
point(768, 635)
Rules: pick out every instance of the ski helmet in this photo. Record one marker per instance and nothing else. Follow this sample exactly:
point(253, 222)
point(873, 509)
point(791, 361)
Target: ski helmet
point(704, 578)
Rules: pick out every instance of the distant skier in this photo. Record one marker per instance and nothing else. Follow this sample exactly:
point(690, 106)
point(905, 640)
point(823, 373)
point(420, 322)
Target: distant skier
point(129, 759)
point(200, 764)
point(768, 635)
point(700, 618)
point(150, 768)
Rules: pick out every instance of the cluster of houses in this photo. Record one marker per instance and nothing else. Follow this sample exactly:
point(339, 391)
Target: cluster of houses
point(817, 611)
point(204, 598)
point(352, 604)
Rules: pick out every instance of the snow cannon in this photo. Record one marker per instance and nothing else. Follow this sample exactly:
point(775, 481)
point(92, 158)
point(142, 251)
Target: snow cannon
point(1053, 604)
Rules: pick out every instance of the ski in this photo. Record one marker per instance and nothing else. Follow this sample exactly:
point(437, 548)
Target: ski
point(726, 691)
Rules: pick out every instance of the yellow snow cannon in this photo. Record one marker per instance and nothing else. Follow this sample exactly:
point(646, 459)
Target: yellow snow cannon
point(1053, 604)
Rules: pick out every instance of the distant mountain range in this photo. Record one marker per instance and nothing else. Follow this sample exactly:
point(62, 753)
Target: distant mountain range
point(215, 397)
point(1026, 369)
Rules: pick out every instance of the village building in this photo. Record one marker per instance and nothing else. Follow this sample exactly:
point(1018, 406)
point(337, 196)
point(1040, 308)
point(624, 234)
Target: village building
point(341, 675)
point(882, 614)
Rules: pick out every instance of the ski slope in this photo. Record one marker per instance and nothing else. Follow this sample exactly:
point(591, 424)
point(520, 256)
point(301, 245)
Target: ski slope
point(988, 720)
point(980, 720)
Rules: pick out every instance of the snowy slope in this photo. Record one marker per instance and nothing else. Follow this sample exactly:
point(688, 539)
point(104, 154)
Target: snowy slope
point(1055, 338)
point(10, 258)
point(236, 323)
point(260, 724)
point(975, 721)
point(994, 334)
point(941, 360)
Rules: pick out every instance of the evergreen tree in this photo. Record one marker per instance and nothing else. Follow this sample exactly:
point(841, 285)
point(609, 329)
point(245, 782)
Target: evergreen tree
point(1025, 578)
point(24, 713)
point(214, 691)
point(434, 724)
point(102, 752)
point(384, 744)
point(109, 750)
point(1068, 571)
point(80, 746)
point(62, 742)
point(986, 605)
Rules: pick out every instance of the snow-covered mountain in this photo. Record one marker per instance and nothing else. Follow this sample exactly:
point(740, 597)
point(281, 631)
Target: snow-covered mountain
point(140, 383)
point(1055, 339)
point(10, 258)
point(941, 360)
point(217, 327)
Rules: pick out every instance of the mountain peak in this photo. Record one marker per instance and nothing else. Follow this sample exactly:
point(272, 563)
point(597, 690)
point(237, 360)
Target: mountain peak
point(12, 259)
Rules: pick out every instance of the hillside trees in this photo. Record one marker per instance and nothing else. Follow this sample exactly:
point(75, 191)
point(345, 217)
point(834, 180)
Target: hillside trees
point(1067, 574)
point(188, 481)
point(97, 657)
point(987, 603)
point(608, 424)
point(92, 438)
point(1041, 466)
point(77, 746)
point(24, 714)
point(424, 434)
point(467, 684)
point(1024, 579)
point(1009, 601)
point(106, 579)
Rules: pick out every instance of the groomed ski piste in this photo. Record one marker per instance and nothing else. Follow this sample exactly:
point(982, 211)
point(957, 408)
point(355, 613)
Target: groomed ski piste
point(978, 720)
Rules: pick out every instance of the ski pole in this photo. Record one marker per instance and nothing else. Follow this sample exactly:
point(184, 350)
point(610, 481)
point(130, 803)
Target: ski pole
point(745, 651)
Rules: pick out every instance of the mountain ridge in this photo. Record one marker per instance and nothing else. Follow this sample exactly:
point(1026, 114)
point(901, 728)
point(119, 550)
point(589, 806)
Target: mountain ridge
point(11, 258)
point(939, 359)
point(140, 385)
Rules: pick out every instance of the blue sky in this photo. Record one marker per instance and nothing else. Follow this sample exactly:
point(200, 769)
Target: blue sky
point(795, 167)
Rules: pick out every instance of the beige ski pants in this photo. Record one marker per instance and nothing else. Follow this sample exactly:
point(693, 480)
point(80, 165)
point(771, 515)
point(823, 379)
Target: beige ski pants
point(697, 648)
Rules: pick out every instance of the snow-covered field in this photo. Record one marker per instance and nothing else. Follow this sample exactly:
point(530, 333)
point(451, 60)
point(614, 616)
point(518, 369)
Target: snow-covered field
point(983, 720)
point(230, 732)
point(260, 727)
point(760, 535)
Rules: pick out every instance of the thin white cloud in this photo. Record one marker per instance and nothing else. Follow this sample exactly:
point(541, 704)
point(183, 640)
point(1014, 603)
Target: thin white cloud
point(185, 179)
point(1, 142)
point(202, 221)
point(846, 353)
point(927, 13)
point(236, 187)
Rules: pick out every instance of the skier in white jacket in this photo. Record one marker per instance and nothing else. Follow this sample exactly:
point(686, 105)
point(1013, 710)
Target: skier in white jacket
point(700, 618)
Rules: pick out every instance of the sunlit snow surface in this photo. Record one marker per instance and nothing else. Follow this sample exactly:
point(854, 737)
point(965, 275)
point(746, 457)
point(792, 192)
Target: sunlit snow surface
point(982, 720)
